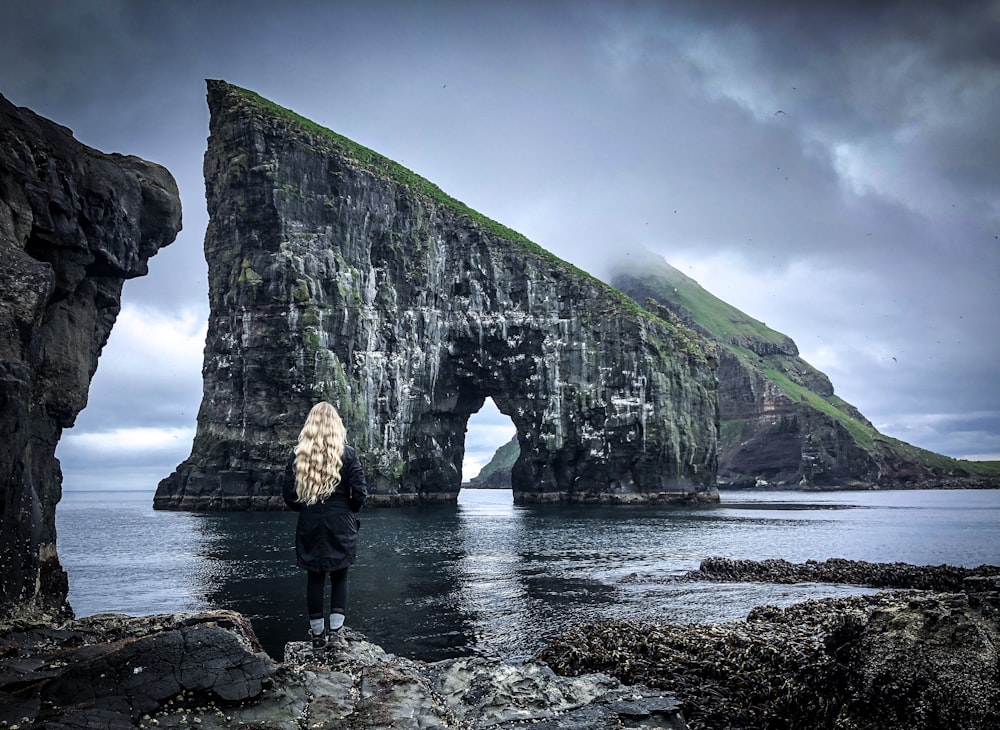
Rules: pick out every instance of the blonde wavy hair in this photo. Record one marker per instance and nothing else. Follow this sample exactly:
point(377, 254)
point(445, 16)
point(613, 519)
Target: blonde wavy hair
point(319, 454)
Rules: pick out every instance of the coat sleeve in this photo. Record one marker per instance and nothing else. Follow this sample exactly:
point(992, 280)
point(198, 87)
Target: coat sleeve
point(288, 486)
point(355, 478)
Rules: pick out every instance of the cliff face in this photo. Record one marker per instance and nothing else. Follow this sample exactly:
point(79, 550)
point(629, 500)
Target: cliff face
point(781, 423)
point(74, 224)
point(336, 274)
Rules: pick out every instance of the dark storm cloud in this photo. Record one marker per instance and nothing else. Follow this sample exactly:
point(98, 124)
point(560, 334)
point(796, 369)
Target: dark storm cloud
point(860, 220)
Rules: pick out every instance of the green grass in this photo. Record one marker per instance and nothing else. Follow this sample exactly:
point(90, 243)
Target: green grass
point(775, 372)
point(775, 369)
point(942, 462)
point(724, 321)
point(735, 330)
point(502, 460)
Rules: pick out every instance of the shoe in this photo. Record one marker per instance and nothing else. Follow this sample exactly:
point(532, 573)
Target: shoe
point(318, 640)
point(336, 640)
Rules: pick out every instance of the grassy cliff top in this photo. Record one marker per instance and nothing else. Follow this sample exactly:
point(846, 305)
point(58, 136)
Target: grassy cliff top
point(735, 330)
point(387, 168)
point(725, 322)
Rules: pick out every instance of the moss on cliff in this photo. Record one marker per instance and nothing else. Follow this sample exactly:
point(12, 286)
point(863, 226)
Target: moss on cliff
point(777, 374)
point(248, 276)
point(723, 320)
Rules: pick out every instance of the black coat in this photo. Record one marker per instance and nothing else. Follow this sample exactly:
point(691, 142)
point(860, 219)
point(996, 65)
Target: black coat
point(326, 534)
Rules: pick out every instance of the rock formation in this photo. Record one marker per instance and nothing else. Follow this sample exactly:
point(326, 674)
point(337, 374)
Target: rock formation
point(74, 224)
point(336, 274)
point(940, 578)
point(885, 661)
point(208, 671)
point(781, 423)
point(907, 659)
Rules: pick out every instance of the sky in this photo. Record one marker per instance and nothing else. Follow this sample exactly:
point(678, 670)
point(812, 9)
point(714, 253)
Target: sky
point(830, 168)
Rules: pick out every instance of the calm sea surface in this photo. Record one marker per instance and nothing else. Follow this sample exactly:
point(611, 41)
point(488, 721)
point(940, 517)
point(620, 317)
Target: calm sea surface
point(491, 578)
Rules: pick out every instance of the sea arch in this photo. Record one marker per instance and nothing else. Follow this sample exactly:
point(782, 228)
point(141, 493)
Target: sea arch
point(336, 274)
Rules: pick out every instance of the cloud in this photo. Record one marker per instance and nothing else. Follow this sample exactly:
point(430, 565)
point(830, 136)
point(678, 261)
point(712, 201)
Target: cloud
point(151, 358)
point(863, 221)
point(124, 458)
point(969, 435)
point(147, 390)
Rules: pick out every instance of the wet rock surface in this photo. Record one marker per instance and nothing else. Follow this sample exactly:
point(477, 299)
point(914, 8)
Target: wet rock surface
point(335, 273)
point(113, 671)
point(914, 659)
point(835, 663)
point(886, 661)
point(207, 670)
point(75, 223)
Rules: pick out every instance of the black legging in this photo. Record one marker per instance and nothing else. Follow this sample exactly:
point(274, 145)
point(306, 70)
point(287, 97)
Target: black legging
point(338, 592)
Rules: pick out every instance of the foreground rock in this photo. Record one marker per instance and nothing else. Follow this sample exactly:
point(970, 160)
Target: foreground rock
point(334, 273)
point(892, 660)
point(208, 670)
point(75, 223)
point(111, 670)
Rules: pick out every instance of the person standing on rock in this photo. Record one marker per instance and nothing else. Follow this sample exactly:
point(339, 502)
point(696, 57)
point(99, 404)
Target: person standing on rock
point(325, 484)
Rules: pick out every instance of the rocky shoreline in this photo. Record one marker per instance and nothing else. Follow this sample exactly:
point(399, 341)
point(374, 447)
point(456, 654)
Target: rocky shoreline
point(208, 670)
point(886, 661)
point(943, 578)
point(914, 659)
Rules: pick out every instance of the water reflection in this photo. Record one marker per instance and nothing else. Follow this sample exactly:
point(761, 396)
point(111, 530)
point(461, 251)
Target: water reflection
point(404, 583)
point(489, 588)
point(493, 578)
point(490, 577)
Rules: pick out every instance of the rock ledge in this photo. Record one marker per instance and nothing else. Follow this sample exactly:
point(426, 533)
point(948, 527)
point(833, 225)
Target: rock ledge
point(172, 671)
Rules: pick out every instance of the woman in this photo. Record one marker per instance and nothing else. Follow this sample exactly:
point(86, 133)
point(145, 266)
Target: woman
point(325, 484)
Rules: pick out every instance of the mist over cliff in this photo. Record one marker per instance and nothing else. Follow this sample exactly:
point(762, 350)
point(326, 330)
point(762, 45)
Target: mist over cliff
point(782, 424)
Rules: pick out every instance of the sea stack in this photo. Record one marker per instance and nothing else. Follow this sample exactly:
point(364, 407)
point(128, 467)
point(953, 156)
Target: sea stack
point(336, 274)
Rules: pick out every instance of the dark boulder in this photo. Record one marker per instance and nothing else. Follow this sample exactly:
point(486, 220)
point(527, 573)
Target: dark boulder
point(75, 223)
point(110, 671)
point(877, 662)
point(943, 578)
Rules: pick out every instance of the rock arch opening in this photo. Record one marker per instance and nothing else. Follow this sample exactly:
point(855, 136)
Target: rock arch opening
point(488, 434)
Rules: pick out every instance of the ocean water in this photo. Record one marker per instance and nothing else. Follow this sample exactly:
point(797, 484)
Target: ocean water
point(494, 579)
